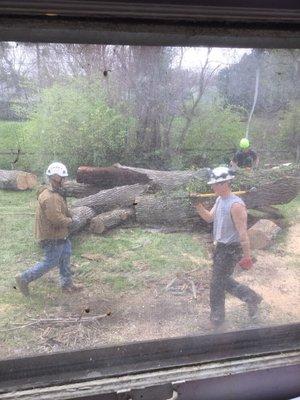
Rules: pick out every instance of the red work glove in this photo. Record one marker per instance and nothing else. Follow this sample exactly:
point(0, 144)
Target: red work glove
point(246, 263)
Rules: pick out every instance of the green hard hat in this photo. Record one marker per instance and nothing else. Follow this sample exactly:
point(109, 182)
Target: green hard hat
point(244, 143)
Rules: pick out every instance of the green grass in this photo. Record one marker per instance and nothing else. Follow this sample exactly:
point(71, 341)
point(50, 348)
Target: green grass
point(130, 258)
point(291, 210)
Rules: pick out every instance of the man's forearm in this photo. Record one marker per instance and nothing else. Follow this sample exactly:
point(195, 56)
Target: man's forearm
point(245, 243)
point(204, 213)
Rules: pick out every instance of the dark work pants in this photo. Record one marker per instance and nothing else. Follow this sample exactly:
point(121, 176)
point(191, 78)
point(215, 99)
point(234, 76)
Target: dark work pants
point(224, 260)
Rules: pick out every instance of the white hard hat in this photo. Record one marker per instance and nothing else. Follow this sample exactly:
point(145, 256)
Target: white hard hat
point(57, 168)
point(220, 174)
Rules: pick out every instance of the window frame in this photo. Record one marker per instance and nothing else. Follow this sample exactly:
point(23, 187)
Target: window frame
point(112, 23)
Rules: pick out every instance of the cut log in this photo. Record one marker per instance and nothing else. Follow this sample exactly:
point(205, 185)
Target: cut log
point(262, 233)
point(79, 190)
point(84, 215)
point(110, 177)
point(110, 219)
point(169, 180)
point(17, 180)
point(118, 197)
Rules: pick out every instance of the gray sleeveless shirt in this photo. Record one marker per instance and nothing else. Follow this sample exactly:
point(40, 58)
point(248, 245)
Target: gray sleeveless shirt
point(224, 229)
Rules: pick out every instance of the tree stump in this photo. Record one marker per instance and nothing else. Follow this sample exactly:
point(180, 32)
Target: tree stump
point(262, 233)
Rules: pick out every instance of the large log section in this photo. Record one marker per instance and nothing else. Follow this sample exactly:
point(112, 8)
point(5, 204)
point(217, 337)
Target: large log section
point(17, 180)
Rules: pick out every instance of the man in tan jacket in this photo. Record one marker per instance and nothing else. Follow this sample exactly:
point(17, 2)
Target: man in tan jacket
point(52, 226)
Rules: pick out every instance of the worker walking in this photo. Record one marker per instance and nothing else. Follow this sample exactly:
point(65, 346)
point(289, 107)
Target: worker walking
point(52, 226)
point(245, 157)
point(229, 217)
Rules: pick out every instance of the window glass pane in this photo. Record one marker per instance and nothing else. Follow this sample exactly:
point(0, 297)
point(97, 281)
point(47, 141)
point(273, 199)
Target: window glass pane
point(142, 129)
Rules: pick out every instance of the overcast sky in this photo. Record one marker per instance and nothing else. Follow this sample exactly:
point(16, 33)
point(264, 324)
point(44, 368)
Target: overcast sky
point(195, 56)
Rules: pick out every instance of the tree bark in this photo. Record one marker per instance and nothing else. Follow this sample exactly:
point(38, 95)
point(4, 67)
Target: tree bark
point(17, 180)
point(118, 197)
point(110, 177)
point(262, 233)
point(110, 219)
point(281, 191)
point(84, 215)
point(79, 190)
point(169, 180)
point(172, 210)
point(153, 210)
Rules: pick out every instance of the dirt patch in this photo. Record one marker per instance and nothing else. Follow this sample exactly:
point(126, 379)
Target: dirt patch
point(152, 312)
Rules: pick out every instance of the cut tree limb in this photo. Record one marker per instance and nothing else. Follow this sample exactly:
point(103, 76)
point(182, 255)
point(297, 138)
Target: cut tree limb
point(168, 180)
point(17, 180)
point(110, 219)
point(110, 177)
point(118, 197)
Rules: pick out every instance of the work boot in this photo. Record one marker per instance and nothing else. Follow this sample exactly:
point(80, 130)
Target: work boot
point(253, 307)
point(72, 288)
point(22, 285)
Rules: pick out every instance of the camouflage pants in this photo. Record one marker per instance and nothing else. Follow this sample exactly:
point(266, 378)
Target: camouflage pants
point(225, 258)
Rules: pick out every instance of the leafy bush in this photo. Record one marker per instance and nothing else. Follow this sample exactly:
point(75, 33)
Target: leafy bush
point(73, 124)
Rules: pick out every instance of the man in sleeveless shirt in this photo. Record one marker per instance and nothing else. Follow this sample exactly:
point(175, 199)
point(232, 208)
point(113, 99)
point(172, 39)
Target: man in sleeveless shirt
point(229, 217)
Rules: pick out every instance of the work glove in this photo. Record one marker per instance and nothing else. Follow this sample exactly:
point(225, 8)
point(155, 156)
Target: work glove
point(75, 224)
point(246, 263)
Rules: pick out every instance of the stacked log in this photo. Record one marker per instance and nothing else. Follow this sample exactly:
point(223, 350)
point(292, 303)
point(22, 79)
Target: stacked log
point(17, 180)
point(102, 222)
point(79, 190)
point(118, 197)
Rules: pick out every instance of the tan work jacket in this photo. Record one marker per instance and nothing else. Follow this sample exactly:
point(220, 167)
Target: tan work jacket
point(52, 217)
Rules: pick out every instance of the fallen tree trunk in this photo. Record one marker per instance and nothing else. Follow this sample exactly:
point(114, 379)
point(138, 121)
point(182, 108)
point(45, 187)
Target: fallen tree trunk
point(262, 233)
point(110, 219)
point(79, 190)
point(179, 210)
point(168, 180)
point(17, 180)
point(118, 197)
point(110, 177)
